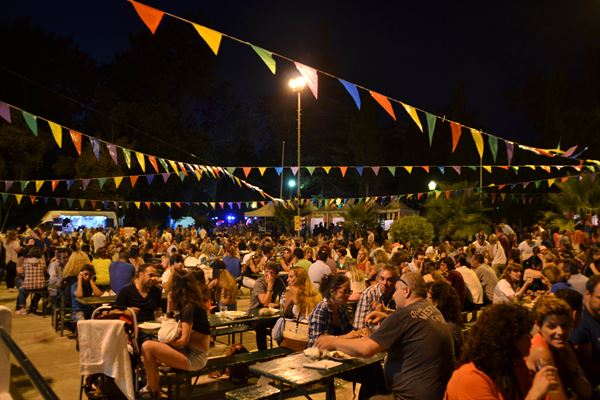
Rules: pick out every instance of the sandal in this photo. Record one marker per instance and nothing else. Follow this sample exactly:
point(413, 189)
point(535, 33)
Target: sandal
point(146, 394)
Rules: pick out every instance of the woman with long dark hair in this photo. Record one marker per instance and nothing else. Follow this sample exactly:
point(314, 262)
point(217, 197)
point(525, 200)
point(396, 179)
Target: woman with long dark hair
point(189, 351)
point(492, 365)
point(445, 298)
point(507, 289)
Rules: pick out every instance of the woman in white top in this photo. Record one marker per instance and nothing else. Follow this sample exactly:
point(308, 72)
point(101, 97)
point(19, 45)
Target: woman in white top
point(12, 249)
point(357, 280)
point(507, 290)
point(496, 254)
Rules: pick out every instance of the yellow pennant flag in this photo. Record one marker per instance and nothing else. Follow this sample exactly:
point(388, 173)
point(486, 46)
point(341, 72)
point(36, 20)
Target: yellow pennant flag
point(141, 160)
point(551, 182)
point(437, 193)
point(531, 166)
point(18, 197)
point(212, 38)
point(413, 114)
point(38, 185)
point(173, 165)
point(327, 169)
point(198, 174)
point(168, 203)
point(262, 170)
point(478, 141)
point(118, 180)
point(56, 132)
point(137, 204)
point(488, 168)
point(409, 169)
point(82, 203)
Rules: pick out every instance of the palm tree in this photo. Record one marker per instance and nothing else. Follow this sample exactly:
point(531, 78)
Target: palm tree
point(576, 199)
point(284, 216)
point(459, 216)
point(359, 217)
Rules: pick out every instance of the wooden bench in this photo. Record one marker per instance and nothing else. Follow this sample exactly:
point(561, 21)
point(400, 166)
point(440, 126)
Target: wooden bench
point(178, 381)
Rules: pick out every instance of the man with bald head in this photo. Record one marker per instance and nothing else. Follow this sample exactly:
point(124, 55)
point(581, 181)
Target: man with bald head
point(418, 341)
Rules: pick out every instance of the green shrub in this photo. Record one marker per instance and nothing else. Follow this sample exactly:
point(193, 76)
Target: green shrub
point(413, 228)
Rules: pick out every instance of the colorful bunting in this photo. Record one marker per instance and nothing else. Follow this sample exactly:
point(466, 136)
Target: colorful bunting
point(493, 142)
point(352, 90)
point(456, 131)
point(211, 37)
point(150, 16)
point(56, 130)
point(141, 160)
point(5, 112)
point(266, 56)
point(510, 146)
point(153, 162)
point(279, 170)
point(310, 76)
point(294, 170)
point(76, 138)
point(392, 170)
point(112, 150)
point(101, 182)
point(95, 147)
point(31, 121)
point(326, 169)
point(413, 114)
point(384, 102)
point(478, 141)
point(343, 170)
point(118, 180)
point(127, 155)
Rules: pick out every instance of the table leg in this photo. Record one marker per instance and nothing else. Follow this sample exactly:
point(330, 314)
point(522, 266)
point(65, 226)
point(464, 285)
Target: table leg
point(330, 395)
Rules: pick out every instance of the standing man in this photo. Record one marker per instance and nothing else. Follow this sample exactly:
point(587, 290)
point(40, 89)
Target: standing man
point(378, 296)
point(420, 350)
point(266, 293)
point(319, 268)
point(98, 239)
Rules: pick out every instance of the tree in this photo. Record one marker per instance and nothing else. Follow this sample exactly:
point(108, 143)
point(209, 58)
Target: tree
point(359, 217)
point(577, 198)
point(413, 229)
point(459, 216)
point(284, 216)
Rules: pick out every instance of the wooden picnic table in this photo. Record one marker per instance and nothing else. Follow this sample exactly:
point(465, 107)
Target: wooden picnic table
point(290, 371)
point(99, 300)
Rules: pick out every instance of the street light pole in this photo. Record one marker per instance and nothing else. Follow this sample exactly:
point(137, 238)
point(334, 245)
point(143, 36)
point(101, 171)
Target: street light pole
point(297, 84)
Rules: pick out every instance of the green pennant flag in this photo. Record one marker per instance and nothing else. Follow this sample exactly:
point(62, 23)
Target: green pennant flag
point(537, 183)
point(4, 197)
point(266, 56)
point(392, 170)
point(431, 120)
point(70, 202)
point(31, 121)
point(310, 170)
point(127, 154)
point(231, 170)
point(473, 167)
point(101, 182)
point(181, 176)
point(516, 169)
point(164, 164)
point(493, 142)
point(24, 185)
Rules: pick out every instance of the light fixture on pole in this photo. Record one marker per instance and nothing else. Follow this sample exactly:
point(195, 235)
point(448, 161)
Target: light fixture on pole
point(297, 85)
point(432, 185)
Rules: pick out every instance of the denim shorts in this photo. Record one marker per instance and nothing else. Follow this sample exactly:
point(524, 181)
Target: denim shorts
point(195, 359)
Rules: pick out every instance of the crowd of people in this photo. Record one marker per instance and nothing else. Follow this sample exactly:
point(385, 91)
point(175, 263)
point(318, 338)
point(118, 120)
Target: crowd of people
point(537, 295)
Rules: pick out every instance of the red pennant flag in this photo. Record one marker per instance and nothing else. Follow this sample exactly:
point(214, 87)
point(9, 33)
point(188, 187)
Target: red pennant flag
point(76, 138)
point(93, 203)
point(150, 16)
point(384, 102)
point(343, 170)
point(419, 195)
point(152, 160)
point(505, 167)
point(147, 204)
point(247, 171)
point(500, 187)
point(32, 198)
point(262, 203)
point(133, 179)
point(54, 185)
point(447, 194)
point(564, 179)
point(178, 204)
point(426, 168)
point(456, 131)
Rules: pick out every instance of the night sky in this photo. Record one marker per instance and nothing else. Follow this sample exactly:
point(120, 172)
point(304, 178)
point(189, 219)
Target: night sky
point(417, 52)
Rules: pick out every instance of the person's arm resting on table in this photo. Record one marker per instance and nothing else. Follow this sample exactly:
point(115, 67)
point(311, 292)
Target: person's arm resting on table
point(364, 347)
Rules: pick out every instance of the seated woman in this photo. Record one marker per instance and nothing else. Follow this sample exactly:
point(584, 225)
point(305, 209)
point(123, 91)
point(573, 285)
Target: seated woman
point(357, 280)
point(553, 319)
point(224, 290)
point(84, 287)
point(507, 289)
point(447, 270)
point(301, 297)
point(445, 298)
point(189, 352)
point(101, 263)
point(492, 365)
point(330, 316)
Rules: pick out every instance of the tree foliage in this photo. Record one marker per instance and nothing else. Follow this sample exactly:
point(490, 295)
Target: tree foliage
point(576, 198)
point(413, 229)
point(459, 216)
point(360, 217)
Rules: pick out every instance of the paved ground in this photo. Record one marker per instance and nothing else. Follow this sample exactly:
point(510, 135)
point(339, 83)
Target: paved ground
point(58, 361)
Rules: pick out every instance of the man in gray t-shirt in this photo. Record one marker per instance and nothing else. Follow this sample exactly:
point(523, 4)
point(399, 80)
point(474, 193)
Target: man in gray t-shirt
point(418, 341)
point(266, 292)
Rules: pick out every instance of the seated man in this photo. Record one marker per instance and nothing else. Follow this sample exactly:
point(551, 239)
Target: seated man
point(84, 287)
point(420, 350)
point(266, 293)
point(377, 297)
point(143, 295)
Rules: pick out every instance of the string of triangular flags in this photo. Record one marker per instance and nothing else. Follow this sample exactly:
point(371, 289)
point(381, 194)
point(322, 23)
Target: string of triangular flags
point(152, 17)
point(109, 204)
point(177, 167)
point(392, 170)
point(496, 187)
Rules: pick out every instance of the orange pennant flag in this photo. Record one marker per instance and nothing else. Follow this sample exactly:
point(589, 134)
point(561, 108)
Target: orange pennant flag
point(76, 138)
point(133, 179)
point(147, 204)
point(182, 167)
point(546, 168)
point(426, 168)
point(447, 194)
point(54, 184)
point(247, 171)
point(564, 179)
point(150, 16)
point(153, 162)
point(456, 131)
point(384, 102)
point(343, 170)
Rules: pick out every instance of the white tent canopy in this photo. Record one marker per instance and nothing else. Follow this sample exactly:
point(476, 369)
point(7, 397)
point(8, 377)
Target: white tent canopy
point(267, 210)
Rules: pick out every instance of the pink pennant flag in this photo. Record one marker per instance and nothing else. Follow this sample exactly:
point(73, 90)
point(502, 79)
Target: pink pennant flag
point(310, 76)
point(112, 150)
point(76, 138)
point(165, 176)
point(456, 168)
point(150, 16)
point(5, 112)
point(294, 170)
point(510, 146)
point(375, 170)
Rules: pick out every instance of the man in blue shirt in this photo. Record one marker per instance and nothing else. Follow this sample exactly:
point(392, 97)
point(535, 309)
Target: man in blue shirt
point(121, 272)
point(232, 263)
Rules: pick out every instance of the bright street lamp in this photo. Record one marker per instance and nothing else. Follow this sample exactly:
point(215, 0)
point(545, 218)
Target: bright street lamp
point(432, 185)
point(297, 84)
point(291, 183)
